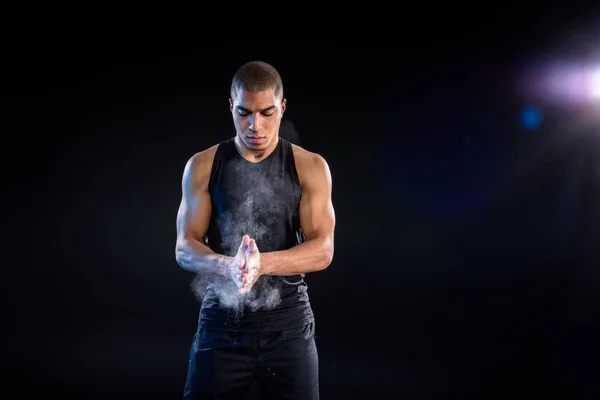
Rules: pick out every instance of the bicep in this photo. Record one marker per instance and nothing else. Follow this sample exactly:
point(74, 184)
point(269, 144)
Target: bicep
point(317, 215)
point(193, 216)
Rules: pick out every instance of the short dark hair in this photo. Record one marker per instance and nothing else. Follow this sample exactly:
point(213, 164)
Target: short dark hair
point(256, 76)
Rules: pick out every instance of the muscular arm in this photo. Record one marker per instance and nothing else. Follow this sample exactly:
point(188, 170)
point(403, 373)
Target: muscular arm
point(317, 219)
point(193, 219)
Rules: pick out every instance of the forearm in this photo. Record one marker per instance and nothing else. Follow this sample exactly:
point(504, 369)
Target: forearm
point(198, 258)
point(310, 256)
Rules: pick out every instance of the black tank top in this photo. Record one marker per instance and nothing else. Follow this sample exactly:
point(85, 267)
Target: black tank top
point(261, 200)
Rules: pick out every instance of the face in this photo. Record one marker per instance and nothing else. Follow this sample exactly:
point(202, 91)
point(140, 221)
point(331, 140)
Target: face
point(257, 117)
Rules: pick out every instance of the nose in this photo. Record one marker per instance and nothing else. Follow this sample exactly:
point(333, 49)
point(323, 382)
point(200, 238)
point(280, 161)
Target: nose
point(255, 122)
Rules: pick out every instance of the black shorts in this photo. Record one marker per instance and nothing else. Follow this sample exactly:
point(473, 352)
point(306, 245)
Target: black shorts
point(235, 365)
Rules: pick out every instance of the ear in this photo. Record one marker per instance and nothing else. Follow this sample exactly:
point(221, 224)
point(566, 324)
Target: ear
point(283, 103)
point(230, 104)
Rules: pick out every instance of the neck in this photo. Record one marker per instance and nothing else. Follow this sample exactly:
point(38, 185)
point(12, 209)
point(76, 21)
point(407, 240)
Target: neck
point(255, 155)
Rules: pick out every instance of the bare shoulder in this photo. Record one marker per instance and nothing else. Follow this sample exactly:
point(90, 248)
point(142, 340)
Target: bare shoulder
point(204, 157)
point(199, 165)
point(308, 158)
point(310, 166)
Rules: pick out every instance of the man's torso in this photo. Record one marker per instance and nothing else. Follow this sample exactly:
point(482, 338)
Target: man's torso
point(260, 200)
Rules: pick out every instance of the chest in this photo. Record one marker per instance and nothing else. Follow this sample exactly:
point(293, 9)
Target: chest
point(267, 188)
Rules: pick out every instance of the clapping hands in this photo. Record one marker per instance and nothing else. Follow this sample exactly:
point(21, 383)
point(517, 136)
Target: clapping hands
point(246, 265)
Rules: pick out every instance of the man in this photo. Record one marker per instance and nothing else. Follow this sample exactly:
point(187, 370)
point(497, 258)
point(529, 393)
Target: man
point(256, 215)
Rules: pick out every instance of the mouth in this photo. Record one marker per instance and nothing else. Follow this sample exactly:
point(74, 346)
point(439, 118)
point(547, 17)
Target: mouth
point(256, 139)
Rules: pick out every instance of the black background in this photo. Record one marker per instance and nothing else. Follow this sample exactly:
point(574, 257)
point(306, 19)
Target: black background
point(466, 261)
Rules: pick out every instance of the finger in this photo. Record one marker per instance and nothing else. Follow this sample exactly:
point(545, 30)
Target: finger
point(245, 289)
point(248, 281)
point(244, 243)
point(238, 281)
point(252, 246)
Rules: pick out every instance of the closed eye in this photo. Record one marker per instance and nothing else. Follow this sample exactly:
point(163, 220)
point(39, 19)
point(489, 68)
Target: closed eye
point(267, 112)
point(246, 113)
